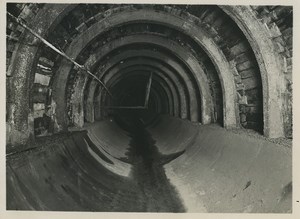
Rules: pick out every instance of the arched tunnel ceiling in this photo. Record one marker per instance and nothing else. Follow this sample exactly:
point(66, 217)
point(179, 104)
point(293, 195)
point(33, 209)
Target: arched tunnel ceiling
point(219, 62)
point(144, 107)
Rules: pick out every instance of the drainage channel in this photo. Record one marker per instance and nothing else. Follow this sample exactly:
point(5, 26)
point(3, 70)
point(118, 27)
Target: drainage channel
point(158, 195)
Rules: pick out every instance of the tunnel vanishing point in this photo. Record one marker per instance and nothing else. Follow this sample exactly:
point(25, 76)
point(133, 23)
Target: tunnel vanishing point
point(149, 108)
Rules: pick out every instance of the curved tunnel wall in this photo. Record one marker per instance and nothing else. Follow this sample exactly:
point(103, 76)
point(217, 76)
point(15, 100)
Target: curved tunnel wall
point(229, 65)
point(196, 170)
point(238, 71)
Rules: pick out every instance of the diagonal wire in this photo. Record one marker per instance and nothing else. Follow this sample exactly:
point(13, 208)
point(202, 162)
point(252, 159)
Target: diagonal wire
point(82, 67)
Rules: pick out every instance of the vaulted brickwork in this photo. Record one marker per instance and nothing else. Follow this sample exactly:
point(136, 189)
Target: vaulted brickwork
point(211, 20)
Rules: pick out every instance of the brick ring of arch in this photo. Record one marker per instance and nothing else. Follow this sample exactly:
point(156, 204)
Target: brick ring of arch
point(266, 80)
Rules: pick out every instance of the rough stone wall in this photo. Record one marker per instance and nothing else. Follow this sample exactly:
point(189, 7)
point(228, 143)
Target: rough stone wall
point(279, 22)
point(238, 52)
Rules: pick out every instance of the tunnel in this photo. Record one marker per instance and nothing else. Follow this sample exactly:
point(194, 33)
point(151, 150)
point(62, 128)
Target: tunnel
point(149, 108)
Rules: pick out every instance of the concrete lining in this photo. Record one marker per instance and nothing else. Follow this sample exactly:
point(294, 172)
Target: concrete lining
point(220, 171)
point(218, 166)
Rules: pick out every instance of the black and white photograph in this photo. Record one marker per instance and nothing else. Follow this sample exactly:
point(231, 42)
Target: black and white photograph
point(133, 107)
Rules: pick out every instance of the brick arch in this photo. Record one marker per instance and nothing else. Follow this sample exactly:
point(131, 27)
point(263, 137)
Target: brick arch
point(177, 23)
point(19, 111)
point(177, 99)
point(156, 40)
point(267, 59)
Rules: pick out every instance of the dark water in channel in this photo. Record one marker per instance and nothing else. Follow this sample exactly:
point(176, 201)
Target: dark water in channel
point(157, 193)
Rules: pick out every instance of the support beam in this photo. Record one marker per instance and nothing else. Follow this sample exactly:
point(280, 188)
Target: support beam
point(148, 88)
point(124, 107)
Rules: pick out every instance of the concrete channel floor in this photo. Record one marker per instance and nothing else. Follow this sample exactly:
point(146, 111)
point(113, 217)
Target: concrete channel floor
point(172, 165)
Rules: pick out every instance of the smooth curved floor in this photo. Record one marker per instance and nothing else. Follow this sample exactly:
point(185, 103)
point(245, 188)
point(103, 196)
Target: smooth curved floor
point(171, 166)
